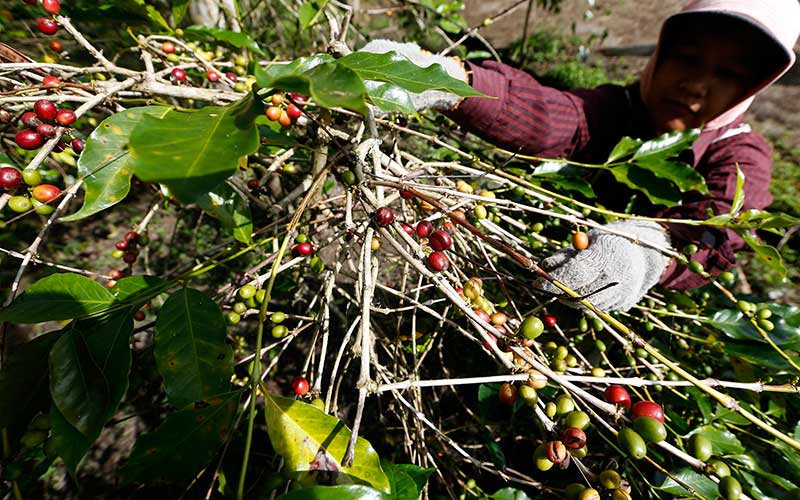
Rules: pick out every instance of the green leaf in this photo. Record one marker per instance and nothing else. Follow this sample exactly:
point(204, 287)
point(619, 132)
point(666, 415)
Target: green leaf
point(186, 442)
point(228, 206)
point(105, 161)
point(665, 146)
point(722, 440)
point(396, 69)
point(193, 152)
point(56, 297)
point(309, 440)
point(759, 355)
point(754, 219)
point(419, 474)
point(702, 401)
point(335, 493)
point(24, 380)
point(700, 483)
point(563, 176)
point(402, 485)
point(190, 348)
point(179, 9)
point(137, 289)
point(307, 14)
point(67, 441)
point(738, 196)
point(737, 326)
point(238, 40)
point(624, 148)
point(509, 494)
point(330, 84)
point(749, 462)
point(390, 97)
point(89, 368)
point(768, 254)
point(658, 191)
point(154, 15)
point(684, 176)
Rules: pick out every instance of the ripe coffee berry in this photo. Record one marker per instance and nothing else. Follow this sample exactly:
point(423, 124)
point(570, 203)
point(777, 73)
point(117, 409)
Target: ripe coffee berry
point(28, 139)
point(56, 46)
point(232, 77)
point(293, 111)
point(556, 451)
point(406, 194)
point(29, 119)
point(580, 240)
point(273, 113)
point(168, 47)
point(52, 7)
point(51, 81)
point(383, 216)
point(212, 75)
point(424, 229)
point(407, 229)
point(573, 438)
point(440, 240)
point(65, 117)
point(617, 395)
point(45, 109)
point(131, 236)
point(178, 74)
point(78, 145)
point(647, 409)
point(47, 26)
point(300, 386)
point(46, 193)
point(550, 320)
point(253, 184)
point(298, 99)
point(139, 316)
point(121, 245)
point(116, 274)
point(304, 249)
point(438, 262)
point(10, 178)
point(507, 394)
point(284, 119)
point(46, 130)
point(129, 257)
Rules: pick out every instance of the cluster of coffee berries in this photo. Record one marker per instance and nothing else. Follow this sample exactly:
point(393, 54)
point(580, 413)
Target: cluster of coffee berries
point(573, 423)
point(47, 25)
point(127, 248)
point(438, 240)
point(285, 109)
point(44, 122)
point(38, 197)
point(648, 422)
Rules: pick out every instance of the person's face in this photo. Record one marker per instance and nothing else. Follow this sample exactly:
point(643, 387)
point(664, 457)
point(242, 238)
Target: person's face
point(697, 81)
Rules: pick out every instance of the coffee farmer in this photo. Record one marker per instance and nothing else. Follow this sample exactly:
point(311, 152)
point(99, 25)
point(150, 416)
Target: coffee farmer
point(712, 58)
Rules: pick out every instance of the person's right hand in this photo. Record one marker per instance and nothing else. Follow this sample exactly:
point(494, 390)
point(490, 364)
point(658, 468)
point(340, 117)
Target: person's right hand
point(430, 99)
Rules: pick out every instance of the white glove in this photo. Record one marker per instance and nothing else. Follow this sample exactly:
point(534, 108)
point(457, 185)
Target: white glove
point(430, 99)
point(610, 258)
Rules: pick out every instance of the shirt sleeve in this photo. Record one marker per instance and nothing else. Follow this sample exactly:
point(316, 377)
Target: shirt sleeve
point(520, 114)
point(718, 247)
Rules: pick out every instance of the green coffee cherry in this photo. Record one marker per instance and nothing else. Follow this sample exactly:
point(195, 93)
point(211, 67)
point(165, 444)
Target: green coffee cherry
point(729, 488)
point(277, 317)
point(700, 447)
point(632, 443)
point(652, 430)
point(564, 404)
point(247, 292)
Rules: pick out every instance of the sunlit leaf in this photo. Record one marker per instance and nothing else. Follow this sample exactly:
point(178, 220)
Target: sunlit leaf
point(352, 492)
point(56, 297)
point(737, 326)
point(698, 482)
point(231, 209)
point(239, 40)
point(312, 442)
point(768, 254)
point(658, 191)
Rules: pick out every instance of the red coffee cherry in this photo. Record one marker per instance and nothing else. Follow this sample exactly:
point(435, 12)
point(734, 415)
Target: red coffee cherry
point(178, 74)
point(45, 193)
point(483, 315)
point(121, 245)
point(51, 81)
point(647, 409)
point(168, 47)
point(212, 75)
point(232, 77)
point(253, 184)
point(116, 274)
point(47, 26)
point(293, 111)
point(424, 229)
point(129, 257)
point(131, 236)
point(405, 194)
point(45, 110)
point(56, 46)
point(300, 386)
point(10, 178)
point(440, 240)
point(407, 229)
point(28, 139)
point(304, 249)
point(65, 117)
point(507, 394)
point(618, 395)
point(550, 320)
point(46, 130)
point(298, 99)
point(29, 119)
point(383, 216)
point(439, 262)
point(78, 145)
point(52, 7)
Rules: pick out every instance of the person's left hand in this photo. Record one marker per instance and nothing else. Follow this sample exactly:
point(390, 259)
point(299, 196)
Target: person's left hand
point(610, 258)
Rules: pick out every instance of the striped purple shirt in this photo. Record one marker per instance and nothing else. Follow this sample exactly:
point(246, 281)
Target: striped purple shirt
point(585, 125)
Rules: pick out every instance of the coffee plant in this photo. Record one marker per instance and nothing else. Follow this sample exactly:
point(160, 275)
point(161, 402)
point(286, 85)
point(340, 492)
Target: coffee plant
point(238, 264)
